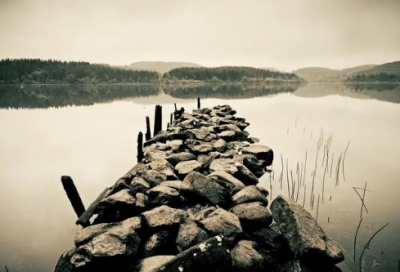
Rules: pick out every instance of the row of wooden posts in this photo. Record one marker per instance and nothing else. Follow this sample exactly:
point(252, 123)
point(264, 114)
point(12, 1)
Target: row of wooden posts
point(70, 189)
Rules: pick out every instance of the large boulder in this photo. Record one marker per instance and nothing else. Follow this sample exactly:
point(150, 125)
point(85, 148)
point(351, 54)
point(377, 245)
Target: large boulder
point(305, 237)
point(186, 167)
point(253, 214)
point(211, 255)
point(223, 222)
point(233, 183)
point(207, 189)
point(164, 167)
point(220, 145)
point(122, 199)
point(160, 243)
point(163, 195)
point(224, 165)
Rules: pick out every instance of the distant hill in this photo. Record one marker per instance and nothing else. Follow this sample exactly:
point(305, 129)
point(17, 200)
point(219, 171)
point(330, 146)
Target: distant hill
point(387, 72)
point(160, 66)
point(270, 69)
point(322, 74)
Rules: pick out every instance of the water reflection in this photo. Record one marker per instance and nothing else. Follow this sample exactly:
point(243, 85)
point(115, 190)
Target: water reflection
point(45, 96)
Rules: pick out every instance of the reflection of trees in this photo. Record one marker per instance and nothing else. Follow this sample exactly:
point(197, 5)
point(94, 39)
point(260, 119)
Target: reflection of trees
point(228, 91)
point(45, 96)
point(389, 92)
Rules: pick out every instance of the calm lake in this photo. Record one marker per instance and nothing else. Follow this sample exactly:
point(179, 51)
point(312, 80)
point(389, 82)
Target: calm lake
point(90, 133)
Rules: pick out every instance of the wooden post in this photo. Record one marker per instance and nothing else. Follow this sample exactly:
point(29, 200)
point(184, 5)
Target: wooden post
point(148, 131)
point(171, 118)
point(198, 102)
point(157, 120)
point(140, 147)
point(73, 195)
point(176, 109)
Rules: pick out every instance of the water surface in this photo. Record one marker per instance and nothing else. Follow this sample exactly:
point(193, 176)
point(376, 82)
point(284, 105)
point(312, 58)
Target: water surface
point(43, 136)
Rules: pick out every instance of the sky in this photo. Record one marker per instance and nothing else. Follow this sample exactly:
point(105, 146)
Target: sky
point(285, 34)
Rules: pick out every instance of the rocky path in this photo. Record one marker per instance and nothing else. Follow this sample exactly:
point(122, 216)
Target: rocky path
point(193, 204)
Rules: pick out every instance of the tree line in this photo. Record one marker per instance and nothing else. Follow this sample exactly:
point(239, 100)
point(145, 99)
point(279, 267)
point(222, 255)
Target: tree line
point(29, 71)
point(227, 74)
point(378, 77)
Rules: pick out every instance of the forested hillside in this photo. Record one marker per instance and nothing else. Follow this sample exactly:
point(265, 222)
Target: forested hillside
point(52, 72)
point(160, 66)
point(228, 74)
point(381, 77)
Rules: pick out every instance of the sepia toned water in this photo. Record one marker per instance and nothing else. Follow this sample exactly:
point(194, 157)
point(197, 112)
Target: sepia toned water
point(90, 133)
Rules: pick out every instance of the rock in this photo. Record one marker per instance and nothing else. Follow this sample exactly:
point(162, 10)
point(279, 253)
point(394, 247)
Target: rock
point(245, 175)
point(178, 185)
point(186, 167)
point(154, 177)
point(150, 263)
point(249, 194)
point(253, 140)
point(164, 216)
point(223, 222)
point(306, 238)
point(137, 170)
point(224, 165)
point(163, 195)
point(201, 134)
point(262, 152)
point(243, 125)
point(142, 201)
point(253, 214)
point(190, 234)
point(228, 127)
point(121, 199)
point(160, 243)
point(187, 124)
point(164, 167)
point(200, 147)
point(298, 266)
point(230, 181)
point(174, 159)
point(207, 189)
point(245, 258)
point(211, 255)
point(255, 166)
point(139, 185)
point(175, 145)
point(158, 146)
point(200, 214)
point(220, 145)
point(86, 234)
point(271, 239)
point(63, 263)
point(236, 145)
point(119, 241)
point(153, 154)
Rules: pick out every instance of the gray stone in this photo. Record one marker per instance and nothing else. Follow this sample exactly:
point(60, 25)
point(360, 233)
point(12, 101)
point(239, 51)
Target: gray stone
point(153, 154)
point(253, 214)
point(271, 239)
point(201, 134)
point(211, 255)
point(207, 189)
point(245, 258)
point(174, 159)
point(163, 195)
point(175, 145)
point(249, 194)
point(245, 175)
point(150, 263)
point(201, 213)
point(158, 243)
point(137, 170)
point(164, 216)
point(121, 199)
point(178, 185)
point(186, 167)
point(199, 147)
point(164, 167)
point(256, 166)
point(142, 201)
point(139, 184)
point(224, 165)
point(253, 140)
point(223, 222)
point(235, 184)
point(220, 145)
point(63, 263)
point(236, 145)
point(262, 152)
point(158, 146)
point(154, 177)
point(306, 238)
point(190, 234)
point(118, 241)
point(86, 234)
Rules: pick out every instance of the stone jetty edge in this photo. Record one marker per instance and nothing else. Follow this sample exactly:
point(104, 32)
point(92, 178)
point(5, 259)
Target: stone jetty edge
point(193, 203)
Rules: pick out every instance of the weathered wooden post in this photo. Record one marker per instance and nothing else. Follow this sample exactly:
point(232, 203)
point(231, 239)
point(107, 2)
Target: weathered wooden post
point(198, 102)
point(148, 131)
point(140, 147)
point(176, 109)
point(157, 120)
point(73, 195)
point(171, 118)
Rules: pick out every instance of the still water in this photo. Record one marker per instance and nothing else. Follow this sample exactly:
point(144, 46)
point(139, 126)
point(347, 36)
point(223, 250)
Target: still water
point(90, 134)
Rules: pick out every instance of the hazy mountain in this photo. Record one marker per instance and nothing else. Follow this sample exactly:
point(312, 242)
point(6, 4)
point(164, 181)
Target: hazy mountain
point(389, 68)
point(160, 66)
point(327, 74)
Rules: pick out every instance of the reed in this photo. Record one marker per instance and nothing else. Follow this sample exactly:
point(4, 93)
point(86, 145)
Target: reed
point(281, 176)
point(344, 157)
point(304, 199)
point(316, 219)
point(287, 177)
point(293, 185)
point(359, 223)
point(305, 169)
point(337, 170)
point(333, 156)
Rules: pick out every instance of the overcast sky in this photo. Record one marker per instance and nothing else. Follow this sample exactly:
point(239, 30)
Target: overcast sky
point(286, 34)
